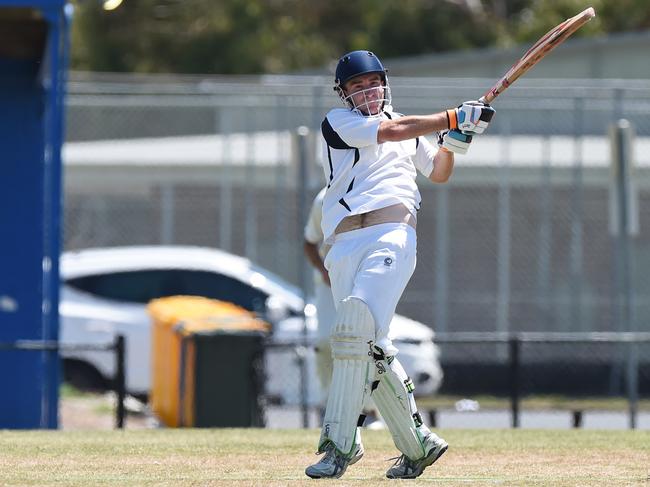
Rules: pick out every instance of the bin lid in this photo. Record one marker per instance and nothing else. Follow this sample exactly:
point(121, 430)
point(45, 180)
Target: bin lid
point(230, 323)
point(196, 313)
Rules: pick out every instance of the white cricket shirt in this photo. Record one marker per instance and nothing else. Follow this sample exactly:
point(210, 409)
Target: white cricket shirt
point(313, 232)
point(363, 175)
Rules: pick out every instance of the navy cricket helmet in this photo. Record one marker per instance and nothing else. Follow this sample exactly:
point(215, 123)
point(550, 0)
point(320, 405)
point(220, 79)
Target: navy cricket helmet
point(356, 63)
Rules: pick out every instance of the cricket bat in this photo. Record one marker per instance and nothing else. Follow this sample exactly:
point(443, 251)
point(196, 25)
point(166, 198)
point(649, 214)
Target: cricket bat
point(553, 38)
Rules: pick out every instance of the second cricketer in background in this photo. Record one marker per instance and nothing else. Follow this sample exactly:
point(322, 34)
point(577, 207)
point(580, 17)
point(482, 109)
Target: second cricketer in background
point(326, 312)
point(372, 155)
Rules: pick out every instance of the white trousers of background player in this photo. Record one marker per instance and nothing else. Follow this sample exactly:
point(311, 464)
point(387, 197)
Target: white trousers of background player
point(374, 264)
point(326, 312)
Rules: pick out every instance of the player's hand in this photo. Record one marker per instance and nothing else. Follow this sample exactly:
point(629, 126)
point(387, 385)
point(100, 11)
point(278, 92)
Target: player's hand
point(473, 117)
point(326, 277)
point(454, 141)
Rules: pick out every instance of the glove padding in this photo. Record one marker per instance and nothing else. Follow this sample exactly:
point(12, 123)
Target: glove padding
point(473, 117)
point(454, 141)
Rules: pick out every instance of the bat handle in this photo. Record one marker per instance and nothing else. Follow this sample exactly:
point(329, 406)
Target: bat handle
point(482, 100)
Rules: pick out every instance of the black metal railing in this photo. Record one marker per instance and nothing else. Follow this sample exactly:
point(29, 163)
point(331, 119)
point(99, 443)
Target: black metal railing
point(521, 359)
point(118, 346)
point(514, 342)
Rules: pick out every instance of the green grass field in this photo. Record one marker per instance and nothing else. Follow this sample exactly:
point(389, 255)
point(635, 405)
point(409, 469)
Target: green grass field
point(253, 457)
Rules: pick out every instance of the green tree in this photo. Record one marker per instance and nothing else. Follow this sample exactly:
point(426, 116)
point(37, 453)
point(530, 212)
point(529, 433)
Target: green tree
point(275, 36)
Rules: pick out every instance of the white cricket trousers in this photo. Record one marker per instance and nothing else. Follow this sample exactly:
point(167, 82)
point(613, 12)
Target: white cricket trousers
point(374, 264)
point(326, 312)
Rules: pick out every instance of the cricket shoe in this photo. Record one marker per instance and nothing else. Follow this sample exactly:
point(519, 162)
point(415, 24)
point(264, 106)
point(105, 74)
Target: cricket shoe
point(333, 464)
point(405, 468)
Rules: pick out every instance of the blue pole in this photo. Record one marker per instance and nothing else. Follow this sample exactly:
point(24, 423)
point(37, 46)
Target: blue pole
point(53, 78)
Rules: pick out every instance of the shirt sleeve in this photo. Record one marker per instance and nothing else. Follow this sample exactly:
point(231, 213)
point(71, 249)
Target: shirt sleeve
point(424, 156)
point(313, 233)
point(345, 129)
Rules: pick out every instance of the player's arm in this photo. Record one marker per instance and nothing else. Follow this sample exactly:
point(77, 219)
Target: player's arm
point(436, 163)
point(472, 117)
point(410, 127)
point(311, 252)
point(443, 165)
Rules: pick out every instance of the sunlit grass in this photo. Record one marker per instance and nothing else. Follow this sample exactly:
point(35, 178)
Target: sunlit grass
point(182, 457)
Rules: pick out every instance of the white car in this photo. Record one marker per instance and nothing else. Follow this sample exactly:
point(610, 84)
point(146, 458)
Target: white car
point(105, 292)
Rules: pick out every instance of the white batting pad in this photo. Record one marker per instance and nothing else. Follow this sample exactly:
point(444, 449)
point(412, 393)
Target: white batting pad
point(393, 395)
point(353, 370)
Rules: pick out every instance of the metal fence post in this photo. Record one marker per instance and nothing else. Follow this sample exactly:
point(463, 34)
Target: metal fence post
point(167, 213)
point(577, 418)
point(632, 383)
point(441, 262)
point(120, 380)
point(302, 147)
point(623, 225)
point(514, 346)
point(504, 225)
point(545, 236)
point(282, 214)
point(226, 187)
point(251, 191)
point(576, 244)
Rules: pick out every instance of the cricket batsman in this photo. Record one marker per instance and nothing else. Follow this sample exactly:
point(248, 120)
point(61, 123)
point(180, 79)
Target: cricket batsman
point(371, 157)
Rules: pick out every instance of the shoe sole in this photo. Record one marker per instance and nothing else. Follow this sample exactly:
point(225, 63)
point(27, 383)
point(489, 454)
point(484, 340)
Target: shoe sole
point(352, 461)
point(338, 475)
point(356, 458)
point(430, 460)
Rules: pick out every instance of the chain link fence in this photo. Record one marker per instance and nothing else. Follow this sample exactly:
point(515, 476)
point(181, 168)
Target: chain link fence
point(520, 240)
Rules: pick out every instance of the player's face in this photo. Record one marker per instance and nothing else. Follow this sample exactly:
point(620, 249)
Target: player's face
point(366, 93)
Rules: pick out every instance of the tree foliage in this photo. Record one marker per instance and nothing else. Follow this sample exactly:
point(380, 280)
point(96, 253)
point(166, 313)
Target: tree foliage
point(274, 36)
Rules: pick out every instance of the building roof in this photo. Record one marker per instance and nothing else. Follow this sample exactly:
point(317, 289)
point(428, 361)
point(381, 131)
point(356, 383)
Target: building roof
point(621, 55)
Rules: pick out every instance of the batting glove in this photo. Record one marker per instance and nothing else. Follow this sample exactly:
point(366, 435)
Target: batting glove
point(454, 141)
point(472, 117)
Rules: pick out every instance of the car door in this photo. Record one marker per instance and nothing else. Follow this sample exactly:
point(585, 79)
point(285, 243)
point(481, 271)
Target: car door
point(97, 308)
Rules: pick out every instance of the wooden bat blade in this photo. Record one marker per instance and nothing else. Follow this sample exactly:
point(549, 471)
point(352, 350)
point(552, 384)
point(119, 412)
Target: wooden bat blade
point(549, 41)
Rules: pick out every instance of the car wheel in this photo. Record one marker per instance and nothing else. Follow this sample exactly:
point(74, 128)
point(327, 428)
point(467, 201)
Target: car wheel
point(83, 376)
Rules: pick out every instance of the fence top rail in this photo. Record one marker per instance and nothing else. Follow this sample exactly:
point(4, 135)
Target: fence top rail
point(121, 82)
point(457, 337)
point(543, 337)
point(52, 345)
